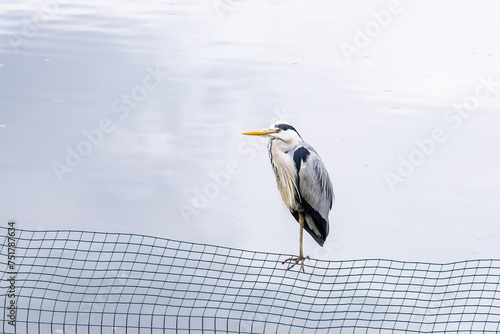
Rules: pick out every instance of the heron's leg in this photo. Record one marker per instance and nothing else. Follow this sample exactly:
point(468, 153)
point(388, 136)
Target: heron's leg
point(301, 223)
point(301, 257)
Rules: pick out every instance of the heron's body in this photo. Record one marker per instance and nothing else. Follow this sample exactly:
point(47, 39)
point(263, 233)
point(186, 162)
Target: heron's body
point(303, 183)
point(302, 180)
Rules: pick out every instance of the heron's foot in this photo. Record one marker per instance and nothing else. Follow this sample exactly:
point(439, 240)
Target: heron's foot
point(296, 260)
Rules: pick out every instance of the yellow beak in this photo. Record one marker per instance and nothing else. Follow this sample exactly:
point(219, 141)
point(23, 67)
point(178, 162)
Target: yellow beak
point(259, 132)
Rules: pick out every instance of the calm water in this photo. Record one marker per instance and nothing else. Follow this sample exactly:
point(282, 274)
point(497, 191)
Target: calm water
point(117, 116)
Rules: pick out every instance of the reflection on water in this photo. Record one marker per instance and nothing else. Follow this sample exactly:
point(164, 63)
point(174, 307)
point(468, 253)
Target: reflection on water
point(119, 116)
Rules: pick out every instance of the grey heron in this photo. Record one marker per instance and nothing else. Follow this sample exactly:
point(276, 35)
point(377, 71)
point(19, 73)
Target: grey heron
point(303, 182)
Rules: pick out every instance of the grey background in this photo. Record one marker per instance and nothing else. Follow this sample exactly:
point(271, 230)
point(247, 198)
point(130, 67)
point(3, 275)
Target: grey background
point(224, 67)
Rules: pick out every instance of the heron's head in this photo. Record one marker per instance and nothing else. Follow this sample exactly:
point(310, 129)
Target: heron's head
point(280, 130)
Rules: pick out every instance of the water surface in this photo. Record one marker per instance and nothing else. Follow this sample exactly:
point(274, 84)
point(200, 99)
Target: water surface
point(116, 116)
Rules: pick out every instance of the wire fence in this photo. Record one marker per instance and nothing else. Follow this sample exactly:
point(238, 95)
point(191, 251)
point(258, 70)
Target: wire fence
point(86, 282)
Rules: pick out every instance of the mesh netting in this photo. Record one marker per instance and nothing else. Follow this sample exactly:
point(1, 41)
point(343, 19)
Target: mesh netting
point(84, 282)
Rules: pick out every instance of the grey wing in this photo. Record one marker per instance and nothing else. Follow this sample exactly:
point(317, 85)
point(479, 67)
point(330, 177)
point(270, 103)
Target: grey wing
point(315, 185)
point(315, 190)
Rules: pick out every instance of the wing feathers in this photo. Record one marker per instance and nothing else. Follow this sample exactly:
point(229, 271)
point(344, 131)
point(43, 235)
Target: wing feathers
point(315, 191)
